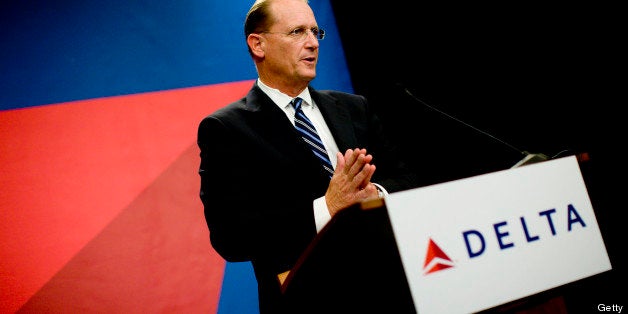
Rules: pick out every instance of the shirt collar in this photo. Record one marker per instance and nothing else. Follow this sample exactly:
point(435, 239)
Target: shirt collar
point(280, 99)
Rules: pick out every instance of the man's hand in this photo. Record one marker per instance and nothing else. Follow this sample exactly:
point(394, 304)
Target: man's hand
point(351, 182)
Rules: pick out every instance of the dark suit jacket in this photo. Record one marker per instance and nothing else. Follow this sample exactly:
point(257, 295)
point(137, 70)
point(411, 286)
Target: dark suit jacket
point(259, 179)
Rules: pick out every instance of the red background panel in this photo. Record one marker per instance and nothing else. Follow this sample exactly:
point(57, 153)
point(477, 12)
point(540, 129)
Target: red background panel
point(99, 203)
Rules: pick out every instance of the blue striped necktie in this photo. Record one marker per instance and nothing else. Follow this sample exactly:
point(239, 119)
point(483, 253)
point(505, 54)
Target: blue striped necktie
point(310, 136)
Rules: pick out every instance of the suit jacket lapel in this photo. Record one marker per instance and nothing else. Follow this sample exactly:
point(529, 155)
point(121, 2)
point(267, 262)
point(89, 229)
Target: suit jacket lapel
point(274, 128)
point(338, 120)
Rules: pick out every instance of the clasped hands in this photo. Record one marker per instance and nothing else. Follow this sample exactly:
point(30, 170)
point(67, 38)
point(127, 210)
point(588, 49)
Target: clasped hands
point(351, 182)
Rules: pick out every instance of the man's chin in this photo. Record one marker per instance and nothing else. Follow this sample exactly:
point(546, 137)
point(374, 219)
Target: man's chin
point(309, 75)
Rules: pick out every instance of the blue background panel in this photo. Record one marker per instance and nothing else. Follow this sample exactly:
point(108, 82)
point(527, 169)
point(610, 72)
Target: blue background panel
point(72, 50)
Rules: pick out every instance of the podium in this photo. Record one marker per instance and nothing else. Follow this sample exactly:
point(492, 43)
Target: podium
point(353, 266)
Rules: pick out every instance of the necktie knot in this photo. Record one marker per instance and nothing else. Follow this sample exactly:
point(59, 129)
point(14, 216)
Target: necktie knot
point(296, 103)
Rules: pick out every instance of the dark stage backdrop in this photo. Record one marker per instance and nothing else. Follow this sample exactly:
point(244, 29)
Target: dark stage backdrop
point(542, 77)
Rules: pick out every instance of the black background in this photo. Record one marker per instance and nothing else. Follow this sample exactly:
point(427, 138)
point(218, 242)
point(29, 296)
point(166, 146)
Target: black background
point(544, 78)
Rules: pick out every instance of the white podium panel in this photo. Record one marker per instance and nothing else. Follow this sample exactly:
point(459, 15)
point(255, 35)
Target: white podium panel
point(476, 243)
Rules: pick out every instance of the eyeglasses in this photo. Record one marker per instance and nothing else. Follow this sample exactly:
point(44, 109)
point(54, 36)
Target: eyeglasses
point(300, 33)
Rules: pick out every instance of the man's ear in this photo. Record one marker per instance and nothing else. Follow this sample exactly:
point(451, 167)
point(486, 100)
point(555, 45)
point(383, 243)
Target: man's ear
point(256, 44)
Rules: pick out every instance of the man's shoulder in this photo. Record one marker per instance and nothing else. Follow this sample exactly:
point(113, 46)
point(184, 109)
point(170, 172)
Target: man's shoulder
point(228, 114)
point(340, 95)
point(337, 93)
point(253, 101)
point(232, 107)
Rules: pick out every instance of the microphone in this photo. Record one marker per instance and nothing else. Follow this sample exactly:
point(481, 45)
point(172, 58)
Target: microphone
point(529, 158)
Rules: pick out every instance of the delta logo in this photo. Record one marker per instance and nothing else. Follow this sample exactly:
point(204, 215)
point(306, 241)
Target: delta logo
point(544, 223)
point(436, 259)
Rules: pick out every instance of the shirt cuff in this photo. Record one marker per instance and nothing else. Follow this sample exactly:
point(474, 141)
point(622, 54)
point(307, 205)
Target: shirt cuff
point(321, 213)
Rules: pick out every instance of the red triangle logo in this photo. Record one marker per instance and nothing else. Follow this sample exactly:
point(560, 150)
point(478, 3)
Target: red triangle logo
point(436, 259)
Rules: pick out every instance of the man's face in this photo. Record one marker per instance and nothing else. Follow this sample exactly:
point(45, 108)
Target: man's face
point(292, 50)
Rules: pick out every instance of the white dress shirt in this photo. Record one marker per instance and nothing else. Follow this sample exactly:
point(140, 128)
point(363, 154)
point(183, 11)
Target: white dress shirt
point(321, 212)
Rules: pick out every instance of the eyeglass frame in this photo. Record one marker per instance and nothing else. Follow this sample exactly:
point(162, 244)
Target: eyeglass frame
point(318, 33)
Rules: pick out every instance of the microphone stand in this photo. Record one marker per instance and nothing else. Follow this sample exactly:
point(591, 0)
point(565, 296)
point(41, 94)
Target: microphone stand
point(529, 158)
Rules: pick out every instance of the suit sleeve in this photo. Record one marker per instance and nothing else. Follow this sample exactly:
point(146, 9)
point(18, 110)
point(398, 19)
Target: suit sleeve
point(393, 173)
point(249, 216)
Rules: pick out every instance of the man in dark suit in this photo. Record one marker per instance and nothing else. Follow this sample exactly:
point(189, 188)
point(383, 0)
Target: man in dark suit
point(265, 194)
